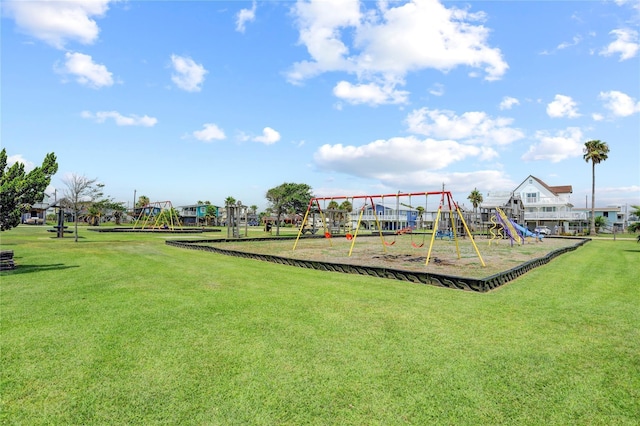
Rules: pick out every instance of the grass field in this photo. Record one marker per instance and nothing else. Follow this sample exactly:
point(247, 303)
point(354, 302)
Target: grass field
point(122, 329)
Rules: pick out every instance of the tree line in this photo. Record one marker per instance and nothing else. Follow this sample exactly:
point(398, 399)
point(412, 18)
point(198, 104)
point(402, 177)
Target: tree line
point(19, 190)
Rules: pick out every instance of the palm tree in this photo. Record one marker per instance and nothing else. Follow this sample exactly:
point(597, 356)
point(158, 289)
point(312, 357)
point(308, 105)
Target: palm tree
point(595, 151)
point(143, 200)
point(345, 209)
point(476, 199)
point(421, 211)
point(635, 226)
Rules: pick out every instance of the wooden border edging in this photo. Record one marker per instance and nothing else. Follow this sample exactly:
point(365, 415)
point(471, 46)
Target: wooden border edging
point(481, 285)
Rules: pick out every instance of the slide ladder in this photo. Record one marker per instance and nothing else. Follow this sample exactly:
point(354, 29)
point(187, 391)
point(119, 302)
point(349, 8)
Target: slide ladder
point(511, 230)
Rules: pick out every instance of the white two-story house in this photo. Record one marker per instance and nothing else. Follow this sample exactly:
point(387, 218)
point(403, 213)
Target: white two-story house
point(548, 205)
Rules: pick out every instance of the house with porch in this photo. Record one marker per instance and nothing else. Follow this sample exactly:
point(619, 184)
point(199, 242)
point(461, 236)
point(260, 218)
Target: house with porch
point(196, 214)
point(547, 205)
point(614, 218)
point(391, 217)
point(37, 213)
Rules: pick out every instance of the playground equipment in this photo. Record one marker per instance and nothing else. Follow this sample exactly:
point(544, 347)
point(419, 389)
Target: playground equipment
point(495, 230)
point(511, 229)
point(235, 213)
point(408, 222)
point(158, 215)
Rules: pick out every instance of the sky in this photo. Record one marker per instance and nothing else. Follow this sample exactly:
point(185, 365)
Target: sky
point(202, 100)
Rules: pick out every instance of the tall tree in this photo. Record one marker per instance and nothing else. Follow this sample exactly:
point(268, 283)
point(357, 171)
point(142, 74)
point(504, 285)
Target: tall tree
point(143, 200)
point(228, 202)
point(79, 191)
point(211, 214)
point(19, 190)
point(595, 151)
point(635, 226)
point(289, 197)
point(476, 199)
point(102, 207)
point(346, 206)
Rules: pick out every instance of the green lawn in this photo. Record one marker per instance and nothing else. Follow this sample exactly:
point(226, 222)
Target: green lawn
point(122, 329)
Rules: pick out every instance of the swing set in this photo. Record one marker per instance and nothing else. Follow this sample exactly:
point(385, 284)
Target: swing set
point(158, 215)
point(378, 212)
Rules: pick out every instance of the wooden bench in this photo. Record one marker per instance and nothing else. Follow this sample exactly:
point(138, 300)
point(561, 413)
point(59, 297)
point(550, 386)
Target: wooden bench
point(6, 260)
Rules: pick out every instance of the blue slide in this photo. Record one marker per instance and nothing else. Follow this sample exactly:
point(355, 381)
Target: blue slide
point(524, 231)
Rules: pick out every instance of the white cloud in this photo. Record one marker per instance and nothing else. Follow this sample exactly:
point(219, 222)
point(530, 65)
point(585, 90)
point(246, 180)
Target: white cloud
point(437, 89)
point(386, 43)
point(471, 127)
point(188, 74)
point(555, 148)
point(574, 41)
point(397, 155)
point(319, 24)
point(508, 102)
point(459, 182)
point(409, 162)
point(18, 158)
point(371, 93)
point(121, 120)
point(244, 16)
point(209, 133)
point(57, 22)
point(562, 106)
point(620, 104)
point(268, 137)
point(626, 44)
point(86, 71)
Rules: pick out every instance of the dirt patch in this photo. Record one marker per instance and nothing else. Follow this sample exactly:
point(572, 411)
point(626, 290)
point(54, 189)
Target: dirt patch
point(409, 253)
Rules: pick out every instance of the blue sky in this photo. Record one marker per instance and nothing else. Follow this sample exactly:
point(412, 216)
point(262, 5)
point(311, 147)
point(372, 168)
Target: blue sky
point(188, 101)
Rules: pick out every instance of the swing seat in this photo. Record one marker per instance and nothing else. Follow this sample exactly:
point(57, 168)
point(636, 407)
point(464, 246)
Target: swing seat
point(417, 245)
point(389, 243)
point(327, 234)
point(349, 237)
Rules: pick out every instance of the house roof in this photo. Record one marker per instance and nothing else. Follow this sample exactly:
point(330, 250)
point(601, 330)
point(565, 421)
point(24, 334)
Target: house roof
point(498, 198)
point(560, 189)
point(40, 206)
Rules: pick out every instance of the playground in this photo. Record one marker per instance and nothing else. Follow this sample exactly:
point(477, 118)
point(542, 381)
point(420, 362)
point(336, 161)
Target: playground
point(369, 251)
point(399, 235)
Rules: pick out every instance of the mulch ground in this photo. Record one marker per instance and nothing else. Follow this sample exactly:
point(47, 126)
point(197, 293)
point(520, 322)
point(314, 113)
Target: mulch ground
point(406, 253)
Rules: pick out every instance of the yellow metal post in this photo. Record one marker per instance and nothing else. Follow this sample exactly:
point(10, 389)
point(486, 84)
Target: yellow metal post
point(433, 235)
point(453, 229)
point(306, 215)
point(470, 236)
point(355, 234)
point(375, 214)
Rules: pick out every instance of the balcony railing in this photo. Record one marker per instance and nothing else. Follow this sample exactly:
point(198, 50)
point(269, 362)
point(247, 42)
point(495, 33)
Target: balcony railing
point(427, 217)
point(546, 202)
point(567, 216)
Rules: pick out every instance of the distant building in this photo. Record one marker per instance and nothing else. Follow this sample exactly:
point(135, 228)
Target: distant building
point(548, 205)
point(551, 206)
point(391, 217)
point(196, 214)
point(37, 213)
point(509, 202)
point(614, 217)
